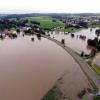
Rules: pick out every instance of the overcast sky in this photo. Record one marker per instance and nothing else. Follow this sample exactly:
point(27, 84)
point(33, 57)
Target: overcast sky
point(49, 6)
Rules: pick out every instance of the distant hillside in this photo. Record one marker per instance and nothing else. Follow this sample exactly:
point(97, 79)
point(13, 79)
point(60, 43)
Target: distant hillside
point(3, 15)
point(55, 15)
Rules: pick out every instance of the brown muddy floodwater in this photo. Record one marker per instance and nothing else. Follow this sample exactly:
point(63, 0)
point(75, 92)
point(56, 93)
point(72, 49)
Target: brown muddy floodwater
point(29, 69)
point(76, 43)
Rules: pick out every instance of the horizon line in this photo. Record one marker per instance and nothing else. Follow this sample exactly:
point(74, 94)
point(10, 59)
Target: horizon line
point(52, 13)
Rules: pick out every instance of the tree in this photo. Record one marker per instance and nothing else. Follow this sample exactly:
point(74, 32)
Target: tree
point(98, 47)
point(39, 36)
point(93, 42)
point(18, 30)
point(32, 39)
point(35, 22)
point(82, 53)
point(83, 24)
point(97, 32)
point(54, 20)
point(63, 41)
point(93, 52)
point(72, 35)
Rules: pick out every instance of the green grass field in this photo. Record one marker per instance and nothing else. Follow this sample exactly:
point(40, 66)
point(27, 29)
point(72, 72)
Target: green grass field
point(45, 22)
point(95, 68)
point(96, 98)
point(69, 29)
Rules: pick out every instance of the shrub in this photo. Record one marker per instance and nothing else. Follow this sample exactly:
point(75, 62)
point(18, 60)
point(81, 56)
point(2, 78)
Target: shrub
point(82, 93)
point(63, 41)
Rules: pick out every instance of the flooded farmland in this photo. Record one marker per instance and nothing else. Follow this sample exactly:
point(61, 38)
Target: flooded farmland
point(28, 69)
point(77, 43)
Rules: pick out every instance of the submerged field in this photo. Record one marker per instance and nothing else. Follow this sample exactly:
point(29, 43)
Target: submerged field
point(29, 69)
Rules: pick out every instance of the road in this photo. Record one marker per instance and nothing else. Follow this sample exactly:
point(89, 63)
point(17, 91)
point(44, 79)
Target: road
point(84, 66)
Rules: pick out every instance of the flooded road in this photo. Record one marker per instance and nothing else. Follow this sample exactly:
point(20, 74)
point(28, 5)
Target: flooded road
point(29, 69)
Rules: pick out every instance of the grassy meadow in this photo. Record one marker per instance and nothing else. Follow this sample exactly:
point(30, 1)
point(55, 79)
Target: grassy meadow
point(46, 22)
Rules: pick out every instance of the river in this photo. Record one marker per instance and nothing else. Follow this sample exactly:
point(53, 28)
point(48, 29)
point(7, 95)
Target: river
point(29, 69)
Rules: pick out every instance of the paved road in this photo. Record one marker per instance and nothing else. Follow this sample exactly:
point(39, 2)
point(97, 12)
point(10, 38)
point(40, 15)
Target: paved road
point(84, 66)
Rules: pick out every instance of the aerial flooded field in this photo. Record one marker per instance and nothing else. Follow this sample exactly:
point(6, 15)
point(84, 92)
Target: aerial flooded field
point(76, 43)
point(49, 50)
point(28, 69)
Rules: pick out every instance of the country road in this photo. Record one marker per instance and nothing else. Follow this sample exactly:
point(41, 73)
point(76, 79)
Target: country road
point(84, 66)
